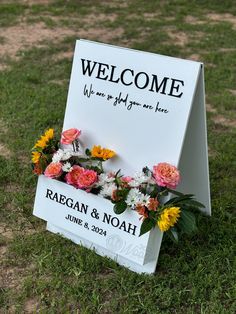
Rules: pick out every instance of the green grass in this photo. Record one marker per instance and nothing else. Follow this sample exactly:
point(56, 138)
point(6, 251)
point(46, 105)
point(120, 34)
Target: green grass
point(196, 276)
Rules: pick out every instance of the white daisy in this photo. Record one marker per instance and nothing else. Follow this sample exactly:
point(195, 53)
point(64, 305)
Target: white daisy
point(105, 178)
point(139, 178)
point(108, 189)
point(136, 197)
point(67, 167)
point(57, 156)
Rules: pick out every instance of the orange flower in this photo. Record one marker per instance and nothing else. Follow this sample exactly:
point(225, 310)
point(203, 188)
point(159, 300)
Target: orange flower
point(37, 169)
point(142, 211)
point(152, 204)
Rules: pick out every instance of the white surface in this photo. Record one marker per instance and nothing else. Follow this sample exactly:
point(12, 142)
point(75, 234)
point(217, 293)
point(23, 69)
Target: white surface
point(194, 158)
point(147, 268)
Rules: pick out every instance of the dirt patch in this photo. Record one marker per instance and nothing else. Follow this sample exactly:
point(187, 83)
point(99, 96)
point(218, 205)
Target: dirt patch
point(37, 2)
point(4, 151)
point(64, 55)
point(227, 50)
point(195, 57)
point(92, 18)
point(31, 306)
point(112, 4)
point(179, 38)
point(6, 232)
point(210, 108)
point(101, 34)
point(219, 119)
point(232, 91)
point(150, 16)
point(223, 17)
point(3, 250)
point(25, 36)
point(193, 20)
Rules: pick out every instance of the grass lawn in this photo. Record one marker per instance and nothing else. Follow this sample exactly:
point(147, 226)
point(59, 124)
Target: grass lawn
point(43, 272)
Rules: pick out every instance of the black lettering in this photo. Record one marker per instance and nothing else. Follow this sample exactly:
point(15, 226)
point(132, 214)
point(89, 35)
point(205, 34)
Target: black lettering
point(84, 208)
point(87, 68)
point(76, 206)
point(69, 202)
point(115, 222)
point(146, 80)
point(55, 198)
point(112, 73)
point(123, 225)
point(122, 77)
point(132, 228)
point(106, 218)
point(162, 84)
point(175, 87)
point(102, 71)
point(49, 194)
point(62, 199)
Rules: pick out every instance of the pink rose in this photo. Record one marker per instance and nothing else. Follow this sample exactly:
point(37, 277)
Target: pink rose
point(81, 178)
point(166, 175)
point(53, 170)
point(68, 136)
point(72, 176)
point(86, 179)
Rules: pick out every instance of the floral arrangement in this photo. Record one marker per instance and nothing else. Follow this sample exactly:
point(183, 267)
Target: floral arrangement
point(147, 192)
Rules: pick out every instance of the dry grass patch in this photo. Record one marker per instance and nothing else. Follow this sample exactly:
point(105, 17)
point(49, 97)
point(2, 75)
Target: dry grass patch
point(195, 57)
point(5, 152)
point(232, 91)
point(91, 19)
point(223, 17)
point(210, 108)
point(25, 36)
point(219, 119)
point(189, 19)
point(179, 38)
point(6, 232)
point(31, 306)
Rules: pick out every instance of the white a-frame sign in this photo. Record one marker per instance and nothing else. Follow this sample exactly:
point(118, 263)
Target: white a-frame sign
point(146, 107)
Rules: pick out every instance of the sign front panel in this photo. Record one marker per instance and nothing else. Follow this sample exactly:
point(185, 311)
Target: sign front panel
point(133, 102)
point(91, 217)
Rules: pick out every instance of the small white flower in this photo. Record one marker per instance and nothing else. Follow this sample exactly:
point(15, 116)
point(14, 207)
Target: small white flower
point(67, 167)
point(136, 197)
point(105, 178)
point(67, 153)
point(108, 189)
point(140, 178)
point(57, 156)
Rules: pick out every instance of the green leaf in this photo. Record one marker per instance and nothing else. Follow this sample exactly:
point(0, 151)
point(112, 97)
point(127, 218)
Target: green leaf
point(187, 222)
point(176, 200)
point(173, 234)
point(147, 225)
point(120, 207)
point(88, 152)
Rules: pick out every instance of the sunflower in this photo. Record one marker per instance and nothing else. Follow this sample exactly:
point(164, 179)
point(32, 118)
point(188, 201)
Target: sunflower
point(43, 141)
point(35, 157)
point(103, 153)
point(168, 218)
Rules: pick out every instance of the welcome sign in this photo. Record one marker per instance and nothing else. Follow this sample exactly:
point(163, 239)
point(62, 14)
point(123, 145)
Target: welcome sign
point(149, 109)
